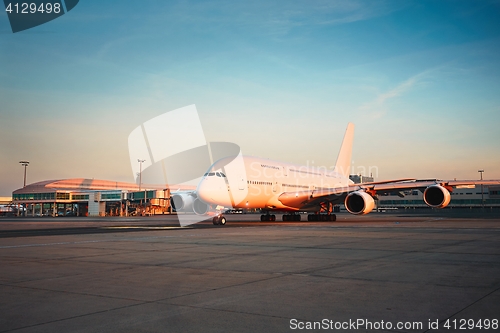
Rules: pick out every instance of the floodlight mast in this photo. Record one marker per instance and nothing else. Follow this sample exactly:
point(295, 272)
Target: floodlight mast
point(140, 172)
point(25, 165)
point(482, 194)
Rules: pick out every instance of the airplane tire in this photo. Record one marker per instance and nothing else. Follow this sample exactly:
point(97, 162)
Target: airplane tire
point(215, 221)
point(222, 220)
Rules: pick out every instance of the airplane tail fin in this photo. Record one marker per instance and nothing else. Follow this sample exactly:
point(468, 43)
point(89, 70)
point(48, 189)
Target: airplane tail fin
point(343, 164)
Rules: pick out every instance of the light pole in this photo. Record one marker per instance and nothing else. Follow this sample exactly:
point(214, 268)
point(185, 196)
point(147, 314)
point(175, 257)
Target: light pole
point(140, 181)
point(482, 195)
point(25, 165)
point(140, 172)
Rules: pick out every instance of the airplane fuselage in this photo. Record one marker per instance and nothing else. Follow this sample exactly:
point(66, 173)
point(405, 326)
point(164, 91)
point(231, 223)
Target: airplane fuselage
point(252, 182)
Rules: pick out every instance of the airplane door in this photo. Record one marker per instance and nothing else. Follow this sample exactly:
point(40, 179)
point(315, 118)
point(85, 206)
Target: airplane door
point(237, 179)
point(275, 186)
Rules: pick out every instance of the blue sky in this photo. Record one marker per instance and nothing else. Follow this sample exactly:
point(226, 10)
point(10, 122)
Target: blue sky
point(420, 79)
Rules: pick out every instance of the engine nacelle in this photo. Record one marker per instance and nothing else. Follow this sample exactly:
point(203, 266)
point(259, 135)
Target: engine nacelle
point(437, 196)
point(183, 202)
point(187, 202)
point(359, 203)
point(199, 207)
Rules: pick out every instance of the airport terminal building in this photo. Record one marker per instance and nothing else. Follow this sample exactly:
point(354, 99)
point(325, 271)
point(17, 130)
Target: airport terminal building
point(89, 197)
point(466, 197)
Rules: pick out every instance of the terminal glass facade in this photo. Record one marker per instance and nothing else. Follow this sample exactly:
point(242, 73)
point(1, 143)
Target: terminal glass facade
point(34, 196)
point(111, 196)
point(80, 197)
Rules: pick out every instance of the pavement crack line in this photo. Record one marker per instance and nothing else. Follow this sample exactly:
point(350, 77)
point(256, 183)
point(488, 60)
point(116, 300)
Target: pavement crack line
point(74, 317)
point(468, 306)
point(72, 292)
point(141, 302)
point(224, 287)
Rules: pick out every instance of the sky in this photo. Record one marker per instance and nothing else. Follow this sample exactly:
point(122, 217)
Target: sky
point(282, 79)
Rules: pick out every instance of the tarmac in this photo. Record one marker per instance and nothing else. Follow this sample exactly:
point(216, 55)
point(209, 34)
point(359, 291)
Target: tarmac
point(380, 272)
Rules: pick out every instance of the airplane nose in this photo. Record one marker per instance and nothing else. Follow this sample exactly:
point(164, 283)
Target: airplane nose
point(213, 190)
point(204, 192)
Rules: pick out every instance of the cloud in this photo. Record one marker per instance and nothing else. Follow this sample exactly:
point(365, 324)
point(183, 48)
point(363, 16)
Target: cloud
point(378, 106)
point(279, 17)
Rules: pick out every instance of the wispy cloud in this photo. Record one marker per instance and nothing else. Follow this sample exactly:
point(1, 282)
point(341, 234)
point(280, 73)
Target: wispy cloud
point(378, 106)
point(282, 16)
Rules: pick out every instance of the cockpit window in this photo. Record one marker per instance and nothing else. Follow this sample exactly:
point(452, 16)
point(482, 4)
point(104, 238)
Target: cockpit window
point(218, 174)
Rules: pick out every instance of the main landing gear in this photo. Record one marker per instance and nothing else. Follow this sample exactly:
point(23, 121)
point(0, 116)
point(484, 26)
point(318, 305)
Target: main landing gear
point(219, 220)
point(268, 218)
point(322, 217)
point(327, 208)
point(291, 217)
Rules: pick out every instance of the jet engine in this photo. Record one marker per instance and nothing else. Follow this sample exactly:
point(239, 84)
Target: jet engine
point(183, 201)
point(437, 196)
point(359, 203)
point(199, 207)
point(188, 202)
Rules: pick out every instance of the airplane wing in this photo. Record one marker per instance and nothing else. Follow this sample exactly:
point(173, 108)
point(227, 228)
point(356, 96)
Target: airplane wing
point(309, 198)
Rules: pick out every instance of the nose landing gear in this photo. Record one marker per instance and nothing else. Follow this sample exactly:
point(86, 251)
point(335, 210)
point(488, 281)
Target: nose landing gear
point(219, 220)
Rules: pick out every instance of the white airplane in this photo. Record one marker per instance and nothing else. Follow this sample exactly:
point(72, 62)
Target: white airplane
point(251, 182)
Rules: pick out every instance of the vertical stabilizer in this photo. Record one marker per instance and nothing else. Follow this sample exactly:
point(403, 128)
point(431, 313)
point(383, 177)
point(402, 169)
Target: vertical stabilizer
point(343, 164)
